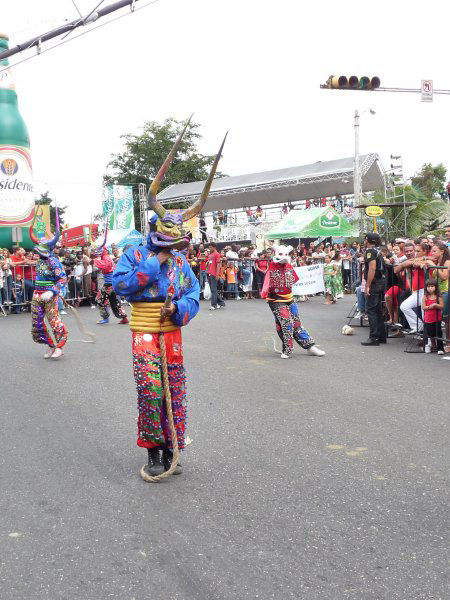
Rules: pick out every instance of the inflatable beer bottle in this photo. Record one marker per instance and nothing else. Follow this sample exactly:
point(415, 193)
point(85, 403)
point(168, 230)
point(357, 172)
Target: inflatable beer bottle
point(16, 182)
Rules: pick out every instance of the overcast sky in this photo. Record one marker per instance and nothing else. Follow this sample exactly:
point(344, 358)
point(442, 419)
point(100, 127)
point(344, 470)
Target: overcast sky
point(252, 67)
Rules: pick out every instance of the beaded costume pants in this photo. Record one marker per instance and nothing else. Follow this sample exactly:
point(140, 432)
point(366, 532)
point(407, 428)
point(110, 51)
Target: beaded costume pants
point(153, 425)
point(107, 296)
point(39, 331)
point(289, 326)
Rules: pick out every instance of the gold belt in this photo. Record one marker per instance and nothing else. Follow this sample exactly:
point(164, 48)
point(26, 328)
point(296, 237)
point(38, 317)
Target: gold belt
point(146, 317)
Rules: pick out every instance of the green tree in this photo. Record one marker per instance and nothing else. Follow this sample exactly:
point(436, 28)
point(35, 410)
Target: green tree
point(425, 216)
point(428, 214)
point(45, 199)
point(144, 154)
point(430, 180)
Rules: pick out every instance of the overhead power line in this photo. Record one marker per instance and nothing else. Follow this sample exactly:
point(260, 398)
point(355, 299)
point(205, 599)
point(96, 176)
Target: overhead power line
point(78, 10)
point(67, 28)
point(79, 35)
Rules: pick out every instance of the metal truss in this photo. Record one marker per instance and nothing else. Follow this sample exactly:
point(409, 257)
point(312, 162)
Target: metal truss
point(143, 208)
point(285, 183)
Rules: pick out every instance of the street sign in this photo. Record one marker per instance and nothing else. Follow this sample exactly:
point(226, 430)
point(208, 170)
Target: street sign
point(374, 211)
point(427, 90)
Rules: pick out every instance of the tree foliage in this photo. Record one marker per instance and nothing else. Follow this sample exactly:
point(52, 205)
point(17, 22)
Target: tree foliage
point(430, 180)
point(425, 216)
point(144, 154)
point(44, 200)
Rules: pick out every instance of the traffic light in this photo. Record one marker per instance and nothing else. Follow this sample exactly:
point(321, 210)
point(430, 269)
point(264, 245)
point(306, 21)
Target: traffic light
point(342, 82)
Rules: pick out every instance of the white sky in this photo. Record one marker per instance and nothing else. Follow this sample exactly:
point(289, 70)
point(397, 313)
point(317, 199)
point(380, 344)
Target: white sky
point(252, 67)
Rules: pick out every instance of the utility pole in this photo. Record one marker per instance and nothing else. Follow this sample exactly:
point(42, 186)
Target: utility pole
point(357, 177)
point(356, 171)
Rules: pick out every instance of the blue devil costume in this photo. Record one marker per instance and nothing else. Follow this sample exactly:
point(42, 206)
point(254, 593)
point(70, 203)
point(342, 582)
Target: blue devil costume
point(164, 293)
point(50, 281)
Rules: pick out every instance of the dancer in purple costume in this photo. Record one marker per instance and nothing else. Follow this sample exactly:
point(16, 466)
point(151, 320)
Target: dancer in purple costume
point(50, 279)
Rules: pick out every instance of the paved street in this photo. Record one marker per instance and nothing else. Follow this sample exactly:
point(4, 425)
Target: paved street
point(313, 478)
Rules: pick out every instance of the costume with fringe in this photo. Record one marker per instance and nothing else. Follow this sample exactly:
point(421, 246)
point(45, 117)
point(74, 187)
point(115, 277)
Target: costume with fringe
point(50, 283)
point(164, 295)
point(143, 281)
point(107, 296)
point(277, 290)
point(50, 277)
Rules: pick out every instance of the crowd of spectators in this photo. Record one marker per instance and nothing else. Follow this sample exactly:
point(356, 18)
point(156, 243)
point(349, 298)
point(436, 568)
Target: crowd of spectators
point(415, 278)
point(18, 274)
point(234, 272)
point(239, 271)
point(410, 267)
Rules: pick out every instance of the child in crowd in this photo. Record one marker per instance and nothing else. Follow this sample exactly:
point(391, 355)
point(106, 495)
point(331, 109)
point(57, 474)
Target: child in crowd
point(221, 273)
point(432, 306)
point(231, 273)
point(18, 294)
point(329, 277)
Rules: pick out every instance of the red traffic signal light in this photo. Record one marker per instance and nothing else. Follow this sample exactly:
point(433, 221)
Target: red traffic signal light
point(342, 82)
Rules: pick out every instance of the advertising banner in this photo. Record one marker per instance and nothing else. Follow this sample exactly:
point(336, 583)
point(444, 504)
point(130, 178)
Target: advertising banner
point(108, 206)
point(310, 280)
point(16, 186)
point(118, 206)
point(41, 225)
point(123, 206)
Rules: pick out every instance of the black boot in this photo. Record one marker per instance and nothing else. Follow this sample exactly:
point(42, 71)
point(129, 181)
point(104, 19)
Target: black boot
point(155, 465)
point(371, 342)
point(167, 459)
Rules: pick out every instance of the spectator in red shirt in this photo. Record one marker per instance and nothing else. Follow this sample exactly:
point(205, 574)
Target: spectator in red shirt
point(23, 266)
point(261, 266)
point(415, 267)
point(202, 257)
point(214, 261)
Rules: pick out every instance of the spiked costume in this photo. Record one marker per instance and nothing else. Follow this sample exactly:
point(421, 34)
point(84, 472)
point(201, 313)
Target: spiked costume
point(50, 281)
point(164, 294)
point(107, 295)
point(277, 290)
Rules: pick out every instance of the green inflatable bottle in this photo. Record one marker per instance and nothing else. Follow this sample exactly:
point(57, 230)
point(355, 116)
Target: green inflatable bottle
point(16, 176)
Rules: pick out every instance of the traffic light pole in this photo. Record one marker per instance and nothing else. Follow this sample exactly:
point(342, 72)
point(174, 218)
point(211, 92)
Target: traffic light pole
point(325, 86)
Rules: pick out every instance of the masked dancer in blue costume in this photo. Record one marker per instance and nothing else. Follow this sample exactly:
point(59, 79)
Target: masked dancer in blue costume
point(50, 280)
point(164, 294)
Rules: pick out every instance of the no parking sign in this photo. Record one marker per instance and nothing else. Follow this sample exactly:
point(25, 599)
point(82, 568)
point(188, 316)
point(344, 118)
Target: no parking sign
point(427, 90)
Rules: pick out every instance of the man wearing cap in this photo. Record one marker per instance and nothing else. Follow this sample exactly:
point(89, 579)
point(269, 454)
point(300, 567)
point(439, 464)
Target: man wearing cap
point(374, 274)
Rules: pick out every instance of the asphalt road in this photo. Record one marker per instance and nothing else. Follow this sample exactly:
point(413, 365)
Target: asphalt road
point(312, 478)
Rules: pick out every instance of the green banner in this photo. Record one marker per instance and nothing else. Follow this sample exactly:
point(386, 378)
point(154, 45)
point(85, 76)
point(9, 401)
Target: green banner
point(118, 206)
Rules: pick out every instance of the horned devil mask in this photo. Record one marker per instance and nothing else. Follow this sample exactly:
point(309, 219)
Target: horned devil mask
point(168, 230)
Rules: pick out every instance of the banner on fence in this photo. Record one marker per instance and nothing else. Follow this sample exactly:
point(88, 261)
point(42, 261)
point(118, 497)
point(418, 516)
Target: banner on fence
point(118, 206)
point(310, 280)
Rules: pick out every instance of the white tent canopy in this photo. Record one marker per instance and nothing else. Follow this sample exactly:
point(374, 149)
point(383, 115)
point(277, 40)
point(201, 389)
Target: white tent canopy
point(318, 180)
point(122, 237)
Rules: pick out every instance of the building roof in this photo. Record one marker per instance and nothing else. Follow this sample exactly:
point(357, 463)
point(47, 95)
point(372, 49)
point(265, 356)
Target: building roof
point(317, 180)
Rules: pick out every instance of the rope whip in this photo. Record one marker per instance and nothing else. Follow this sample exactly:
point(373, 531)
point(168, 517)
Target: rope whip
point(80, 324)
point(168, 399)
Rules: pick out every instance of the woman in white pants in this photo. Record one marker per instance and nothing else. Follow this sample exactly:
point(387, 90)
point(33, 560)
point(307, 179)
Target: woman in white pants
point(416, 267)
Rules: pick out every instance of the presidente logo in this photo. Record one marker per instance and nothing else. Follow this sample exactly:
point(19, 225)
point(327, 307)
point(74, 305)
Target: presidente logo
point(329, 220)
point(9, 166)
